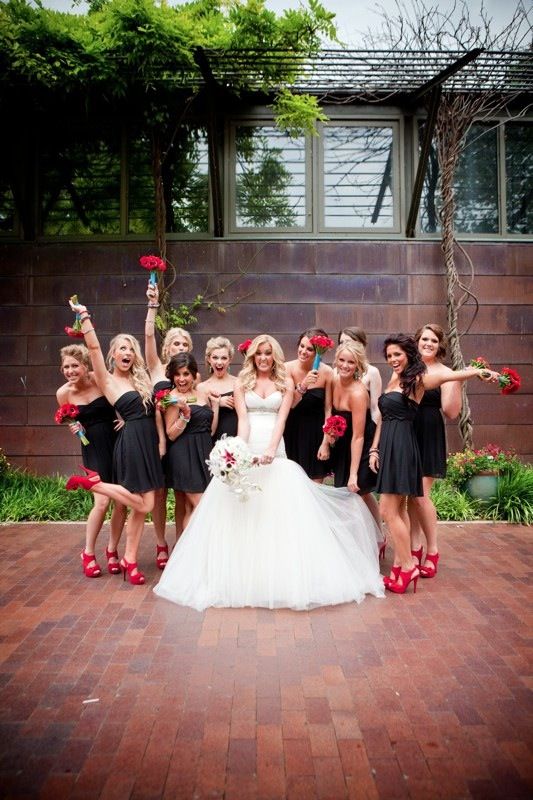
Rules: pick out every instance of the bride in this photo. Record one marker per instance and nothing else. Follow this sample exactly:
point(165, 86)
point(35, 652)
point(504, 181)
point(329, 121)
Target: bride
point(293, 544)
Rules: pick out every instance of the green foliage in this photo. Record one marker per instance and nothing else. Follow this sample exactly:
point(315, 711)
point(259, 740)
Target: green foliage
point(452, 504)
point(514, 498)
point(4, 463)
point(183, 315)
point(467, 463)
point(25, 497)
point(297, 114)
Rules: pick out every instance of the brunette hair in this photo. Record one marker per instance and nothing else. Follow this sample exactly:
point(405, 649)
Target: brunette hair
point(179, 361)
point(248, 374)
point(357, 350)
point(310, 332)
point(415, 366)
point(357, 334)
point(138, 372)
point(217, 343)
point(77, 351)
point(171, 334)
point(439, 333)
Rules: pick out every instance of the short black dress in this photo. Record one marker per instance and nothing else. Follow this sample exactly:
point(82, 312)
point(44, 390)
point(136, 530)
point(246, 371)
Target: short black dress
point(227, 421)
point(431, 435)
point(303, 433)
point(400, 467)
point(341, 454)
point(97, 417)
point(186, 467)
point(159, 387)
point(136, 462)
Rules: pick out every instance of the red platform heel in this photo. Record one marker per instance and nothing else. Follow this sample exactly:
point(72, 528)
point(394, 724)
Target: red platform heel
point(417, 554)
point(126, 566)
point(387, 580)
point(429, 570)
point(79, 482)
point(90, 572)
point(113, 567)
point(89, 472)
point(161, 560)
point(406, 578)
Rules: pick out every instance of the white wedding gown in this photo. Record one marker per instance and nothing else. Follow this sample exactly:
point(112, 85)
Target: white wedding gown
point(294, 544)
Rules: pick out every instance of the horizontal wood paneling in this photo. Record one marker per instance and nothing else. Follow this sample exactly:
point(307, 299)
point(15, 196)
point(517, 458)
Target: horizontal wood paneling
point(267, 286)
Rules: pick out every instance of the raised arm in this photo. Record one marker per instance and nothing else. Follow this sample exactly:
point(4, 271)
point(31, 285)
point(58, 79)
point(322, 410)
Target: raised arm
point(102, 377)
point(153, 361)
point(434, 379)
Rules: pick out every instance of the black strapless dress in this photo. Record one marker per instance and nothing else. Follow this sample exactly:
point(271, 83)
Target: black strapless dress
point(136, 462)
point(97, 417)
point(400, 467)
point(431, 435)
point(227, 421)
point(186, 457)
point(303, 433)
point(341, 454)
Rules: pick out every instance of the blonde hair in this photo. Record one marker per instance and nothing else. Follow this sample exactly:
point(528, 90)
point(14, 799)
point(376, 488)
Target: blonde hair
point(77, 351)
point(139, 375)
point(171, 334)
point(216, 343)
point(248, 374)
point(358, 352)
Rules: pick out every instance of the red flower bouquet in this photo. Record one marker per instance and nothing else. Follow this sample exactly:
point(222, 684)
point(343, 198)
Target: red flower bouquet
point(479, 363)
point(154, 264)
point(68, 413)
point(509, 381)
point(163, 399)
point(321, 344)
point(335, 426)
point(243, 346)
point(75, 330)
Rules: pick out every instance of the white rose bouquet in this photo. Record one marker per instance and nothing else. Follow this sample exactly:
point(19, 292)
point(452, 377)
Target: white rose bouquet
point(230, 461)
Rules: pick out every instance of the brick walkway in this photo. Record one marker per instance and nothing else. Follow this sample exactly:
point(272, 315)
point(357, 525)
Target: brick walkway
point(108, 692)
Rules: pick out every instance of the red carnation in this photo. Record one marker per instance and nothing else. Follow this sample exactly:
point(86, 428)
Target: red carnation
point(243, 346)
point(509, 380)
point(335, 426)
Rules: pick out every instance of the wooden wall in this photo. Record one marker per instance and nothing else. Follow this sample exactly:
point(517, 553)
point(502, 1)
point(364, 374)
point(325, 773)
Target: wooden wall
point(285, 287)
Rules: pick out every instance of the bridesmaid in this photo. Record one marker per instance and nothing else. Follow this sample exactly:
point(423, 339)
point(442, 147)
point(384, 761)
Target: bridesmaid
point(394, 454)
point(431, 438)
point(311, 406)
point(97, 417)
point(371, 378)
point(350, 455)
point(176, 341)
point(136, 460)
point(190, 425)
point(218, 354)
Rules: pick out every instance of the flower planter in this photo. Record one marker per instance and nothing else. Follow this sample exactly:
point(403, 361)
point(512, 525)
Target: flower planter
point(483, 486)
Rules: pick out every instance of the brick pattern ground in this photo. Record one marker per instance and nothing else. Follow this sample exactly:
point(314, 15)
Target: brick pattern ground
point(109, 692)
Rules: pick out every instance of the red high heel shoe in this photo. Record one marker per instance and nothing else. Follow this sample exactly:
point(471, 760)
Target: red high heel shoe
point(113, 567)
point(429, 570)
point(90, 572)
point(79, 482)
point(417, 554)
point(89, 472)
point(382, 548)
point(161, 561)
point(387, 580)
point(406, 578)
point(128, 567)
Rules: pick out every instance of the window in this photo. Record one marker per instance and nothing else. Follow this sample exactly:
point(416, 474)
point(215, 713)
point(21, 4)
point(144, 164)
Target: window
point(269, 179)
point(519, 169)
point(80, 183)
point(358, 176)
point(7, 209)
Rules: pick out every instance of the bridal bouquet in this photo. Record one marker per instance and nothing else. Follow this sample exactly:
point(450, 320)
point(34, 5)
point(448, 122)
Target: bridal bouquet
point(68, 413)
point(230, 461)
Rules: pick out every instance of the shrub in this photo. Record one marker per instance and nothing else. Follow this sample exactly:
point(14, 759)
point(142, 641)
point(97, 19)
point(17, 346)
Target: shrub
point(514, 497)
point(451, 504)
point(467, 463)
point(34, 498)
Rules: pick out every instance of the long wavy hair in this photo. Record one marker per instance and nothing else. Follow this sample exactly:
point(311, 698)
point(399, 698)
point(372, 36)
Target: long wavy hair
point(138, 372)
point(217, 343)
point(77, 351)
point(439, 333)
point(248, 374)
point(357, 351)
point(171, 334)
point(415, 366)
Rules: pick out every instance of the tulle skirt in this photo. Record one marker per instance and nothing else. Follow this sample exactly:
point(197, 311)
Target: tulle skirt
point(293, 544)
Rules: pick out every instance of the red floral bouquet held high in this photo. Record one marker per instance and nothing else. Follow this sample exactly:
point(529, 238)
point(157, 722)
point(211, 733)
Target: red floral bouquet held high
point(321, 344)
point(335, 426)
point(509, 381)
point(75, 330)
point(68, 413)
point(243, 347)
point(155, 265)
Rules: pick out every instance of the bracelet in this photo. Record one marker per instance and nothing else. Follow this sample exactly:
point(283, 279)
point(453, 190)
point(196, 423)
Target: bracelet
point(153, 305)
point(300, 389)
point(86, 315)
point(89, 330)
point(374, 451)
point(183, 418)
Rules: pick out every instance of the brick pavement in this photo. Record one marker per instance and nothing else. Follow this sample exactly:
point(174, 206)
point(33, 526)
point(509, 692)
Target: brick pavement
point(109, 692)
